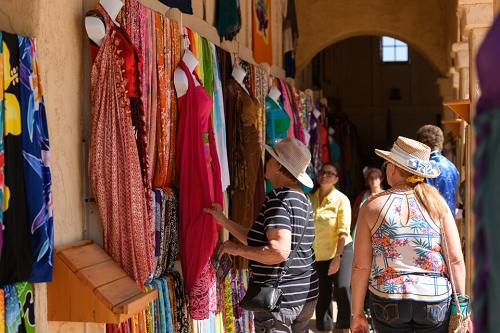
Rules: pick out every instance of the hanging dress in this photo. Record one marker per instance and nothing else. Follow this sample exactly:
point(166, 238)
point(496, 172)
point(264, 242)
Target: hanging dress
point(36, 167)
point(17, 254)
point(199, 175)
point(247, 172)
point(114, 167)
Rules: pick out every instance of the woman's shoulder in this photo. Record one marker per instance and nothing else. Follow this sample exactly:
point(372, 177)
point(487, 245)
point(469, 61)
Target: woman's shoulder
point(375, 201)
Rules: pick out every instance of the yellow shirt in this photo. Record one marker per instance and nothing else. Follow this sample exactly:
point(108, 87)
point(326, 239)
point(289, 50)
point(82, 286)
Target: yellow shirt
point(332, 217)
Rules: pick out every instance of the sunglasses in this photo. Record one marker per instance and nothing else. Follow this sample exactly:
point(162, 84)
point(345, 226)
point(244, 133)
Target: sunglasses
point(373, 178)
point(326, 173)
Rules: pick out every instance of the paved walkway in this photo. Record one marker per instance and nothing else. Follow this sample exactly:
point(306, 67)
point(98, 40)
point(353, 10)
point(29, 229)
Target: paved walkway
point(312, 323)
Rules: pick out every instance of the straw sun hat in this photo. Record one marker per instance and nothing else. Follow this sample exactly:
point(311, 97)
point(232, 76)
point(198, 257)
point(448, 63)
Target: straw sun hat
point(412, 156)
point(294, 156)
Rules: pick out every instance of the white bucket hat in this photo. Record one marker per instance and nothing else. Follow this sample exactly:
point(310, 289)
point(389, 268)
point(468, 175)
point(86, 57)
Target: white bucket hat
point(294, 156)
point(412, 156)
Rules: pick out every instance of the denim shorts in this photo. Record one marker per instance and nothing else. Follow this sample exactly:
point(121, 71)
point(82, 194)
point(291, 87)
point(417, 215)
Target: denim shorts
point(401, 316)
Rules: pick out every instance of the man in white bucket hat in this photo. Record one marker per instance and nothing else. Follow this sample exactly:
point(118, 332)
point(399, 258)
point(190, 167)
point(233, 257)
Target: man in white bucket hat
point(399, 255)
point(285, 216)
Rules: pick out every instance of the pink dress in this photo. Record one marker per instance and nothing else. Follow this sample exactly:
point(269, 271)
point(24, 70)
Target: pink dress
point(199, 185)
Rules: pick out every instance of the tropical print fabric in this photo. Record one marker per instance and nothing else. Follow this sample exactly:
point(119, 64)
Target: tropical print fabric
point(17, 254)
point(36, 163)
point(407, 260)
point(26, 299)
point(2, 153)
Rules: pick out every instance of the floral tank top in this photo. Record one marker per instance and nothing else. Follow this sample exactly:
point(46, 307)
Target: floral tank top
point(407, 262)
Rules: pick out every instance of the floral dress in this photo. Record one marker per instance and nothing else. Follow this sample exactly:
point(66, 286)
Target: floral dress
point(407, 260)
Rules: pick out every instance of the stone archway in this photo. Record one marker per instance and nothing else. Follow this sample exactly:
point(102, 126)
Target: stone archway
point(428, 26)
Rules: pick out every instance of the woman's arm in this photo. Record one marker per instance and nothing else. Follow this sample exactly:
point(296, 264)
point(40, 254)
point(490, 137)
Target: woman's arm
point(241, 233)
point(455, 262)
point(342, 229)
point(276, 252)
point(361, 271)
point(335, 263)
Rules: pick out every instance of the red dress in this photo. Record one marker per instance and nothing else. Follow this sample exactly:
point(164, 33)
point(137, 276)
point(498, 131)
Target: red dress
point(114, 166)
point(198, 168)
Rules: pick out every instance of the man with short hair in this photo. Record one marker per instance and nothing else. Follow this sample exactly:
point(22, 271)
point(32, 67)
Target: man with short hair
point(447, 181)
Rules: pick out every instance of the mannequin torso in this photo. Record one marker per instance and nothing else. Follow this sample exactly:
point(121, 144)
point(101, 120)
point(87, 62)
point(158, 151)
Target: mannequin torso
point(96, 29)
point(239, 75)
point(274, 94)
point(180, 79)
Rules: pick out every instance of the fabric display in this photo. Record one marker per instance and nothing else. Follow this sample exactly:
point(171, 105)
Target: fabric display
point(159, 155)
point(26, 221)
point(262, 45)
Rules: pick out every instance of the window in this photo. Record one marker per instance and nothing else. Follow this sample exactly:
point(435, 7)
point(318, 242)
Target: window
point(393, 50)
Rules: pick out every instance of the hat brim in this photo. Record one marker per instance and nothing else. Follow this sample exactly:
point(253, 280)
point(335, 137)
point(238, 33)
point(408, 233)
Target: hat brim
point(301, 176)
point(387, 156)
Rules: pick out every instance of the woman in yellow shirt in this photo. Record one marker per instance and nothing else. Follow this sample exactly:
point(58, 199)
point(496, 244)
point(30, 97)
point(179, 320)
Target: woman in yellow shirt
point(333, 249)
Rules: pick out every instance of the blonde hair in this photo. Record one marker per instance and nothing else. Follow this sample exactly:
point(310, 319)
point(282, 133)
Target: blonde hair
point(428, 196)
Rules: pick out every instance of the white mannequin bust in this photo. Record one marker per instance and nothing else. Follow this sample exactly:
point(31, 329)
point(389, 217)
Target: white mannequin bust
point(274, 94)
point(180, 78)
point(239, 75)
point(96, 29)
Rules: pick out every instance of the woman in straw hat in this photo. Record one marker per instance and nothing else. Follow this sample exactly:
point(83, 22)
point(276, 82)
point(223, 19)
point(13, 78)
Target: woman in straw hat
point(399, 255)
point(277, 230)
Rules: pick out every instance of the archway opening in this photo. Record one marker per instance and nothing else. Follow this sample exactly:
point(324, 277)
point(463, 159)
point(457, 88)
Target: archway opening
point(382, 99)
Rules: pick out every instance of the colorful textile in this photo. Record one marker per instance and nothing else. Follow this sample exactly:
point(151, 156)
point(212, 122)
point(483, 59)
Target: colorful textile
point(24, 292)
point(182, 303)
point(172, 220)
point(172, 301)
point(2, 301)
point(285, 100)
point(228, 305)
point(197, 229)
point(447, 181)
point(407, 260)
point(149, 97)
point(166, 305)
point(114, 166)
point(13, 317)
point(139, 113)
point(245, 163)
point(277, 120)
point(36, 167)
point(17, 254)
point(2, 152)
point(228, 18)
point(261, 28)
point(202, 296)
point(168, 56)
point(161, 198)
point(259, 80)
point(219, 122)
point(183, 5)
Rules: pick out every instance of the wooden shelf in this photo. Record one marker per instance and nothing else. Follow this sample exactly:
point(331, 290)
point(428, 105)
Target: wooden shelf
point(89, 286)
point(461, 107)
point(454, 125)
